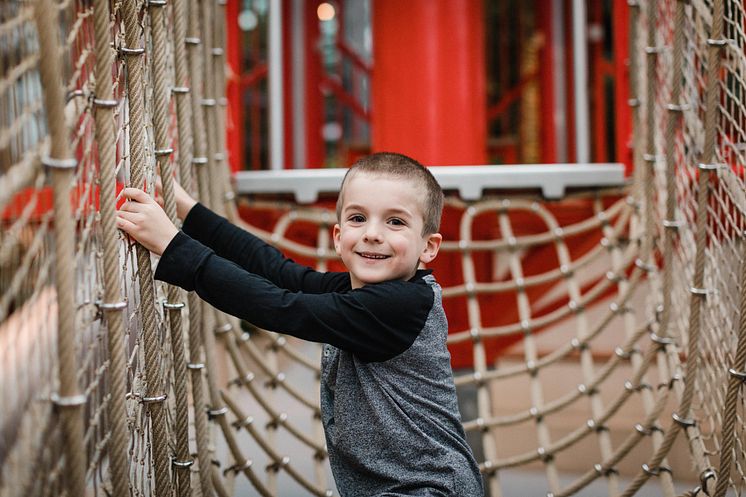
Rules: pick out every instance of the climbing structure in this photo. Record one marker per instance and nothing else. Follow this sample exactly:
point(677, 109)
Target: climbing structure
point(625, 350)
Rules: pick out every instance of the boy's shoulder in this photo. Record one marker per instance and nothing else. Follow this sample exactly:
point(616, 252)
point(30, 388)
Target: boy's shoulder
point(400, 296)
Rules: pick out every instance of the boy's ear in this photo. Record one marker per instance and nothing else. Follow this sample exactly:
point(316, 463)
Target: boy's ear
point(335, 237)
point(432, 245)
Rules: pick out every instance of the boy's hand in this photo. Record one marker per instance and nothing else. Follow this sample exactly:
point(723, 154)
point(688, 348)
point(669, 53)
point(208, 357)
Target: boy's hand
point(145, 221)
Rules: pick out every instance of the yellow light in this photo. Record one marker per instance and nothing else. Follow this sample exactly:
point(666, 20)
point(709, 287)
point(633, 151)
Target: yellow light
point(325, 11)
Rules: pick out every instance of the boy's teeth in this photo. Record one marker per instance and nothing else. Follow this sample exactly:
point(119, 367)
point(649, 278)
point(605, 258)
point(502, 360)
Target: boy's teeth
point(374, 256)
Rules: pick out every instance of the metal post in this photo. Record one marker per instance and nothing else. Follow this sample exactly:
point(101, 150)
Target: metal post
point(276, 138)
point(299, 87)
point(559, 89)
point(580, 76)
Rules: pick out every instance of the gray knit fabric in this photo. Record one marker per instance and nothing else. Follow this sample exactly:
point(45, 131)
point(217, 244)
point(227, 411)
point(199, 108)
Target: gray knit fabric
point(393, 428)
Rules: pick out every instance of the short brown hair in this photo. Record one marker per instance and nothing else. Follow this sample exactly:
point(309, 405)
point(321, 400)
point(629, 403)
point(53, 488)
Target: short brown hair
point(401, 166)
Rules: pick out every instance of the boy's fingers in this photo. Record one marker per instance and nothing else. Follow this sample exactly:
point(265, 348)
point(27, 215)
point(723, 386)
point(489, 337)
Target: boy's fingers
point(124, 224)
point(135, 194)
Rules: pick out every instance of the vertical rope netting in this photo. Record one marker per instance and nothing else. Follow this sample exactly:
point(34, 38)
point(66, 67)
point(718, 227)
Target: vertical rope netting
point(735, 386)
point(209, 186)
point(737, 378)
point(113, 305)
point(670, 225)
point(681, 417)
point(181, 462)
point(154, 398)
point(647, 176)
point(479, 359)
point(184, 96)
point(673, 123)
point(322, 246)
point(530, 350)
point(69, 400)
point(588, 368)
point(634, 103)
point(196, 306)
point(227, 195)
point(200, 19)
point(214, 159)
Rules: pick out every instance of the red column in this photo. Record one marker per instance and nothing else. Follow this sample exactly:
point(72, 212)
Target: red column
point(315, 147)
point(233, 91)
point(428, 84)
point(620, 27)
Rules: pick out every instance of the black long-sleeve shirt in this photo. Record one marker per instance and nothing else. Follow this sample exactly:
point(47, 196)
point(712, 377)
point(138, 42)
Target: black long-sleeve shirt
point(388, 401)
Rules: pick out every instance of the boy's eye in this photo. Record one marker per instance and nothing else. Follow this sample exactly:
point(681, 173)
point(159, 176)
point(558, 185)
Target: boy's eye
point(396, 221)
point(357, 218)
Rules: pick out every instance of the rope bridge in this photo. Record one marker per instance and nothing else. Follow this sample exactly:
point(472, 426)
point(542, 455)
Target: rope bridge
point(607, 327)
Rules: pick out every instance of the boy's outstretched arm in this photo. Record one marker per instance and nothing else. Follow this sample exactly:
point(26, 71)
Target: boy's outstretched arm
point(144, 220)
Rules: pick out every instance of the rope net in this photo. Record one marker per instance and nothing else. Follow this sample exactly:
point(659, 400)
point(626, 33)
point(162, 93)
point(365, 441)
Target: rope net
point(598, 342)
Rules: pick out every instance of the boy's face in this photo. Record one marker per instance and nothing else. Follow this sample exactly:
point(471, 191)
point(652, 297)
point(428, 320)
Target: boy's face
point(379, 235)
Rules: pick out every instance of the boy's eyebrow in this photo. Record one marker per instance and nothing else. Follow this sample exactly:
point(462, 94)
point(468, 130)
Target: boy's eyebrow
point(391, 210)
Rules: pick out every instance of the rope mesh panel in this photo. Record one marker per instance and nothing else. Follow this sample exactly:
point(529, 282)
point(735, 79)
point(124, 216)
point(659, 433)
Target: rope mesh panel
point(592, 366)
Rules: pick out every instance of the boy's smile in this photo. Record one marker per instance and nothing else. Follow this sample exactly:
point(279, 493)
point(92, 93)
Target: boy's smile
point(379, 235)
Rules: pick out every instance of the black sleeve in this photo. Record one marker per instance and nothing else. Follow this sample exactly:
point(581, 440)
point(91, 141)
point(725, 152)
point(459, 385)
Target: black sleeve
point(255, 255)
point(376, 322)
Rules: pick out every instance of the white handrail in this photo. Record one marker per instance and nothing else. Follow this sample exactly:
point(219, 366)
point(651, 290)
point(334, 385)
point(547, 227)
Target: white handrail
point(470, 181)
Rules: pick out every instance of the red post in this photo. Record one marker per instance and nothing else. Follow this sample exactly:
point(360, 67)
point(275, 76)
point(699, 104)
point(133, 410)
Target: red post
point(315, 147)
point(546, 83)
point(233, 90)
point(620, 15)
point(428, 84)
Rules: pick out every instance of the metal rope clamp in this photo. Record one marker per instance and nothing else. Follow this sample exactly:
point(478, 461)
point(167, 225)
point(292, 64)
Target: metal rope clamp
point(214, 413)
point(53, 163)
point(648, 268)
point(684, 422)
point(182, 464)
point(739, 375)
point(673, 224)
point(154, 399)
point(111, 306)
point(650, 158)
point(105, 103)
point(69, 401)
point(710, 167)
point(131, 51)
point(163, 152)
point(223, 329)
point(237, 468)
point(702, 292)
point(708, 474)
point(672, 107)
point(172, 306)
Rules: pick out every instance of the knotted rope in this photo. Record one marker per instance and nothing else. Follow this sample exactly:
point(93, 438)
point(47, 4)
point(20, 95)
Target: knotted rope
point(69, 399)
point(113, 304)
point(155, 396)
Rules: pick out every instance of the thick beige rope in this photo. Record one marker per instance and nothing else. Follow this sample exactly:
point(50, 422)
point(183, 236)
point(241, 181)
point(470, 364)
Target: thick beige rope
point(161, 120)
point(184, 96)
point(712, 96)
point(650, 233)
point(106, 141)
point(196, 307)
point(154, 399)
point(69, 399)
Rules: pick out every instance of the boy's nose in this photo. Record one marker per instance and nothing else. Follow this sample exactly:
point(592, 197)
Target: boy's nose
point(372, 234)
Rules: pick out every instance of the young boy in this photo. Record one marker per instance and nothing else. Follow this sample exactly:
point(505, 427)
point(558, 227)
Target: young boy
point(388, 400)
